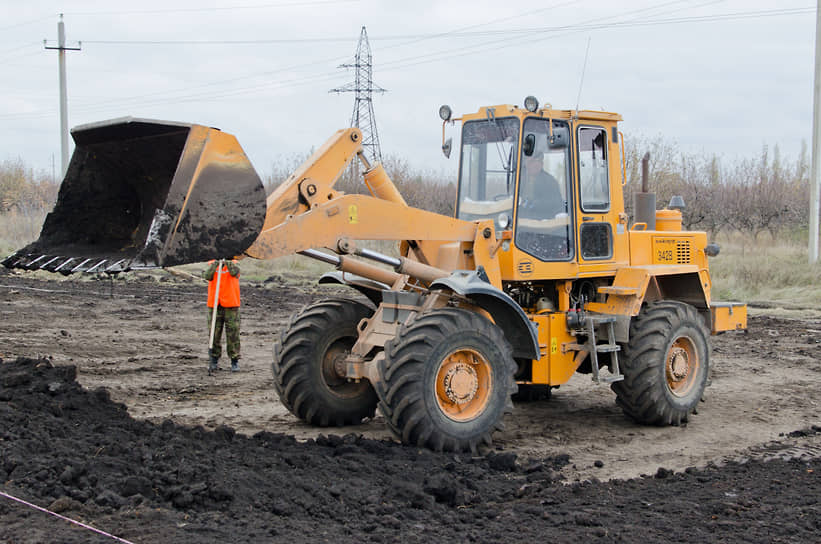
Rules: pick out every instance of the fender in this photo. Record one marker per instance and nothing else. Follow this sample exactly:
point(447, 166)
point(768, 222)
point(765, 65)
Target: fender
point(509, 316)
point(635, 285)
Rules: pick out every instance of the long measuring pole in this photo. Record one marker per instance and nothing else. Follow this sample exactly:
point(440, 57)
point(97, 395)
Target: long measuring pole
point(216, 304)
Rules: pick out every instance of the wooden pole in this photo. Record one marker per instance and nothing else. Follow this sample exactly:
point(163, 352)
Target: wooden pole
point(217, 302)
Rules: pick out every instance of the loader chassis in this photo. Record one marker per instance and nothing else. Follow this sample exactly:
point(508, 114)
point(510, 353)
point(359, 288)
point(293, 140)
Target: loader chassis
point(539, 275)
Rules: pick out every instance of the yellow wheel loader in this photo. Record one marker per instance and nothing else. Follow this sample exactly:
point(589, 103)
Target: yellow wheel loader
point(539, 275)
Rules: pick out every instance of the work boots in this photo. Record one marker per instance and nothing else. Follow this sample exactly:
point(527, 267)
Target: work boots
point(234, 365)
point(212, 364)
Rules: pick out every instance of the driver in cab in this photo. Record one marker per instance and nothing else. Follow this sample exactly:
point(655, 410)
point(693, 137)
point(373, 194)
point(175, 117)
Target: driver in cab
point(541, 197)
point(542, 227)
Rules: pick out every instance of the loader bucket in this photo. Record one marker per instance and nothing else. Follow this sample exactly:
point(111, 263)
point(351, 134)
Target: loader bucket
point(144, 194)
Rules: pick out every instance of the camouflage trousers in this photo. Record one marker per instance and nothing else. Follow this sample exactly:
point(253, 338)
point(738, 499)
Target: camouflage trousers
point(229, 317)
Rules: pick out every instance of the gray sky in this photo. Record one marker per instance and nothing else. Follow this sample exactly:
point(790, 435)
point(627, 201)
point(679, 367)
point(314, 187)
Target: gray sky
point(719, 76)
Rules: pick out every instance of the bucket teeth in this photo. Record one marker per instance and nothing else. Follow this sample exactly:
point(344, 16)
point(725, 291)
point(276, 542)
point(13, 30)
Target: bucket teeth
point(31, 265)
point(67, 265)
point(46, 264)
point(62, 266)
point(118, 266)
point(82, 267)
point(11, 260)
point(96, 266)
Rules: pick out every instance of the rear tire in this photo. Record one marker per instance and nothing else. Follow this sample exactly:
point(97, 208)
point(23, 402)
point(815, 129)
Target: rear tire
point(305, 376)
point(665, 365)
point(447, 378)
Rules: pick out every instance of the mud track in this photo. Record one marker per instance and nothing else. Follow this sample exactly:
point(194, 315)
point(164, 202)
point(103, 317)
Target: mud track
point(204, 459)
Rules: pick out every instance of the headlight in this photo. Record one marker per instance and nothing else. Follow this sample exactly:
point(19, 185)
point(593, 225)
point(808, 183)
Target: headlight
point(445, 112)
point(503, 221)
point(531, 103)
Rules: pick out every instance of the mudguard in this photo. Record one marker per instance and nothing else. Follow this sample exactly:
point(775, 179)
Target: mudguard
point(509, 316)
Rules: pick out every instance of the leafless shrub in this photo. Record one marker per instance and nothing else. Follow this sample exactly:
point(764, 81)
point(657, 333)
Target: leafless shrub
point(419, 189)
point(765, 193)
point(23, 189)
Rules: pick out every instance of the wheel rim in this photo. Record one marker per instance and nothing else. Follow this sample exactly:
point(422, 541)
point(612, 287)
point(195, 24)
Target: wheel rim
point(681, 366)
point(333, 367)
point(463, 384)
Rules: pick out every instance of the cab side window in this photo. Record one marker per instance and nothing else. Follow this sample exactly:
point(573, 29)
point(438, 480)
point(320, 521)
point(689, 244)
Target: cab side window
point(593, 170)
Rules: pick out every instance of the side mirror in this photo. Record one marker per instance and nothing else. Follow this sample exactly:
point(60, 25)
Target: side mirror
point(446, 147)
point(529, 145)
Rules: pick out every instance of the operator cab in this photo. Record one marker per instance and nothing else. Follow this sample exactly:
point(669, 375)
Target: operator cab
point(544, 175)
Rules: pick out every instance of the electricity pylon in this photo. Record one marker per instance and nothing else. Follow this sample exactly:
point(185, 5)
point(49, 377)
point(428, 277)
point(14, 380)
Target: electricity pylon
point(363, 86)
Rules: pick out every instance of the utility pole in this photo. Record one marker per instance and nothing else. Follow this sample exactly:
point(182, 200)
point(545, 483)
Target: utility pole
point(815, 175)
point(61, 48)
point(363, 87)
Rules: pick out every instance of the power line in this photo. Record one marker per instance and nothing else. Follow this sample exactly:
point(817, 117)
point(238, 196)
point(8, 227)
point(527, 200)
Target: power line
point(27, 22)
point(479, 34)
point(398, 63)
point(4, 59)
point(220, 42)
point(216, 8)
point(3, 52)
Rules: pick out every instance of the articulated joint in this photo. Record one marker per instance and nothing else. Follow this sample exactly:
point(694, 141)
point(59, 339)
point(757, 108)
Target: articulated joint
point(357, 368)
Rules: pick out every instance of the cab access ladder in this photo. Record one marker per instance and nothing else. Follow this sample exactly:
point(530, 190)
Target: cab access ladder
point(589, 324)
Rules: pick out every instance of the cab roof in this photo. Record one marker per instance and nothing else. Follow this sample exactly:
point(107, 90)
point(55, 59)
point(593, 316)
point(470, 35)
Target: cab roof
point(506, 110)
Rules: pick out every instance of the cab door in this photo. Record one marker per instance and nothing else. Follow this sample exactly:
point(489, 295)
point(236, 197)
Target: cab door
point(596, 213)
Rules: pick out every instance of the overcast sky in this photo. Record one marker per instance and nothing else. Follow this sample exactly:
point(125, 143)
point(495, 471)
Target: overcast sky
point(723, 77)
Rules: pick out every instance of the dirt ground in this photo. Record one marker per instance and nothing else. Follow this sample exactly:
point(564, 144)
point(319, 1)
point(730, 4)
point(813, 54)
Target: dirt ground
point(143, 340)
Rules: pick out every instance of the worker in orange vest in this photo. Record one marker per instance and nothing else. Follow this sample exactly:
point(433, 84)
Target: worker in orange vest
point(227, 312)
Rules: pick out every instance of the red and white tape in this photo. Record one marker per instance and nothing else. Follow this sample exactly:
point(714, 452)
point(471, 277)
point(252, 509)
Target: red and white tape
point(75, 522)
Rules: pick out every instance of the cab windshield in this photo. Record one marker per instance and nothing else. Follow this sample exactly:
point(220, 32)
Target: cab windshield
point(487, 179)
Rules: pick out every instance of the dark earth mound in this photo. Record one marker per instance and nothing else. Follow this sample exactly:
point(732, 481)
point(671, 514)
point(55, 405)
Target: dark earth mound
point(79, 453)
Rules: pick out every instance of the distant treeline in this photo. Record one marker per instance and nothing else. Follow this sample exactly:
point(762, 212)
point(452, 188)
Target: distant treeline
point(764, 193)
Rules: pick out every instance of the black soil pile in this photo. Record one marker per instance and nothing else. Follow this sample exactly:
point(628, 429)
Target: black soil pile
point(78, 453)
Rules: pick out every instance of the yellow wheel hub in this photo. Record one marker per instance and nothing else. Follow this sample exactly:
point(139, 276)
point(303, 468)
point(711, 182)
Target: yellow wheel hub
point(463, 384)
point(682, 366)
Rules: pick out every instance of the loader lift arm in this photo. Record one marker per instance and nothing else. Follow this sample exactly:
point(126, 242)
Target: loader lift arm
point(305, 212)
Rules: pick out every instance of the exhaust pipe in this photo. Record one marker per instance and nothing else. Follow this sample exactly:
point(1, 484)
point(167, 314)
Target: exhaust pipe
point(644, 202)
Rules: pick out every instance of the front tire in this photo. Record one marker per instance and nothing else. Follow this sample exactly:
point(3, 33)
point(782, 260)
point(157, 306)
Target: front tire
point(447, 379)
point(665, 365)
point(306, 360)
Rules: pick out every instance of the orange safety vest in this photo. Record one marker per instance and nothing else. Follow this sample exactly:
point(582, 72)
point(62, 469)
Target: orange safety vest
point(229, 289)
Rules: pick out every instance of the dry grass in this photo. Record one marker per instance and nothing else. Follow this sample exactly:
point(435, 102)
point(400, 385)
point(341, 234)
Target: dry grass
point(295, 268)
point(772, 272)
point(18, 228)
